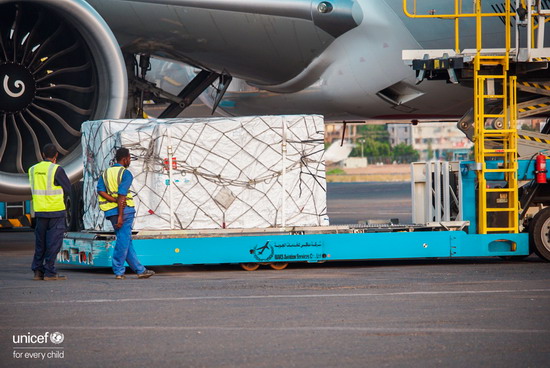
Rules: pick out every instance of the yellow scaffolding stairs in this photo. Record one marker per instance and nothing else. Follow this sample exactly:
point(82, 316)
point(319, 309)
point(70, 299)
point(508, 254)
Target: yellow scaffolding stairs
point(497, 183)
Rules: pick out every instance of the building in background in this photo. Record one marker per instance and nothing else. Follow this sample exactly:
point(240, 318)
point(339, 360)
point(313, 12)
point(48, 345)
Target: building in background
point(433, 141)
point(400, 133)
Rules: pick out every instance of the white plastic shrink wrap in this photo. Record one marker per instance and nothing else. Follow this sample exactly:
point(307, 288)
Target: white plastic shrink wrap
point(245, 172)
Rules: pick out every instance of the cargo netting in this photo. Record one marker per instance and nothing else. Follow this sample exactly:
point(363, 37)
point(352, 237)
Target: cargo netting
point(205, 173)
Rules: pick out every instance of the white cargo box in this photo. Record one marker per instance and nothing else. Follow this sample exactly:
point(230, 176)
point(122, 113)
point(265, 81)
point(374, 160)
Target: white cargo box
point(245, 172)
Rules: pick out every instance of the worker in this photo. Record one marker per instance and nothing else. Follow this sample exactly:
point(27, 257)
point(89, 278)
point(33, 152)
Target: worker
point(117, 202)
point(49, 186)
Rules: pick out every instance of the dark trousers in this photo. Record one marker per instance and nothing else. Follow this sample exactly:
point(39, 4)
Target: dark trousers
point(49, 238)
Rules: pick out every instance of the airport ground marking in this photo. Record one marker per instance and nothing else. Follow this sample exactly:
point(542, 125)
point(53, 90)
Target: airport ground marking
point(280, 296)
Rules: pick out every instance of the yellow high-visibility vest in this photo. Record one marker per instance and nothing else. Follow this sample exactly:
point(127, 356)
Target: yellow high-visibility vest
point(46, 196)
point(112, 178)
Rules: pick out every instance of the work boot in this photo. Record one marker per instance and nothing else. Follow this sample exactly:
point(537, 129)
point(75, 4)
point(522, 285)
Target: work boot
point(120, 277)
point(146, 274)
point(38, 275)
point(55, 277)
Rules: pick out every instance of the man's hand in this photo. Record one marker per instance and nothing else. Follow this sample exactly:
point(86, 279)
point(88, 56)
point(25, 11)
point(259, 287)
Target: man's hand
point(121, 201)
point(120, 221)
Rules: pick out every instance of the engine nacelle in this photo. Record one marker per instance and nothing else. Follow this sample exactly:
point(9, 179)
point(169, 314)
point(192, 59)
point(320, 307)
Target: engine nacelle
point(60, 65)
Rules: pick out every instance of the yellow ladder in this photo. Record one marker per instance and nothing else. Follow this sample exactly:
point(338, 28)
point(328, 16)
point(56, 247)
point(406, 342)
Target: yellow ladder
point(498, 183)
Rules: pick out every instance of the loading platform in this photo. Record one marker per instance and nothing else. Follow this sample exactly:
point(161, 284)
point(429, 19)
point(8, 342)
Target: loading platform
point(276, 247)
point(295, 245)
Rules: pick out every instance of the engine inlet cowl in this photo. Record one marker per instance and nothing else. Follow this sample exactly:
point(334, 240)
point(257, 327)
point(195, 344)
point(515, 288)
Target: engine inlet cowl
point(60, 65)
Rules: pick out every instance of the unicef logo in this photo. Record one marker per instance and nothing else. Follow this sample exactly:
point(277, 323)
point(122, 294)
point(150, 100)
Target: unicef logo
point(57, 337)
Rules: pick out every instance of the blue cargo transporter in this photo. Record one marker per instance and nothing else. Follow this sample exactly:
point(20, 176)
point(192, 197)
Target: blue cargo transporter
point(468, 235)
point(277, 247)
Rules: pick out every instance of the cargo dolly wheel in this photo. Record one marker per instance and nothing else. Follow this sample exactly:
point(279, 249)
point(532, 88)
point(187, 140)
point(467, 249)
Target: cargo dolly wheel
point(250, 266)
point(278, 265)
point(539, 234)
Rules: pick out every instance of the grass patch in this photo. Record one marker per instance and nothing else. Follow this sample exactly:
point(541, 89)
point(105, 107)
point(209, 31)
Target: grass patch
point(336, 171)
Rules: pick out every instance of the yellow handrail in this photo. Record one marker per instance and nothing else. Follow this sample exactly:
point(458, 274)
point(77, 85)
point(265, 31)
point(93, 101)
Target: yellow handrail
point(451, 16)
point(457, 15)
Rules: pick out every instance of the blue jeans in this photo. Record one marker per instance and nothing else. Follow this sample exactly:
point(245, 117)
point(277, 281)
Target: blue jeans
point(124, 250)
point(49, 238)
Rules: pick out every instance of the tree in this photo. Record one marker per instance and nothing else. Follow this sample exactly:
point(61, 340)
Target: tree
point(372, 147)
point(404, 152)
point(430, 151)
point(374, 140)
point(527, 127)
point(377, 132)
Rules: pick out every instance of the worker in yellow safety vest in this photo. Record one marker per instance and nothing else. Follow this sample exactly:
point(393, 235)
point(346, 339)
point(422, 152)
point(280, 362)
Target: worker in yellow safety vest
point(49, 186)
point(116, 200)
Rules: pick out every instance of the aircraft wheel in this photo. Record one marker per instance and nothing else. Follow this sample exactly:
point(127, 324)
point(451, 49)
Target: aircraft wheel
point(539, 234)
point(278, 265)
point(250, 266)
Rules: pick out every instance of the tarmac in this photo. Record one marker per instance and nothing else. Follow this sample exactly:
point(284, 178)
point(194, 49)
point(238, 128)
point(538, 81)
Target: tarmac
point(451, 313)
point(416, 313)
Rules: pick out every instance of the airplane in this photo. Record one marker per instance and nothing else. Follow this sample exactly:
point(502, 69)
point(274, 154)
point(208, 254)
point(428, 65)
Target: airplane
point(63, 62)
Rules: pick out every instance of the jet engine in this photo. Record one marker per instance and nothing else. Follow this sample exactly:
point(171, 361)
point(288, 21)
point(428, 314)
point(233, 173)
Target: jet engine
point(60, 65)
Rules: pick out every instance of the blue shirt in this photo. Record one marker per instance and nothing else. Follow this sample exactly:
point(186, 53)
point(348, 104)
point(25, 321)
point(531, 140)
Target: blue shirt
point(123, 189)
point(60, 178)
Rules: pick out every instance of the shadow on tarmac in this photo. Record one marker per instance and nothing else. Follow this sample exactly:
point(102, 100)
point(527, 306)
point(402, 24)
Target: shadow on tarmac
point(370, 264)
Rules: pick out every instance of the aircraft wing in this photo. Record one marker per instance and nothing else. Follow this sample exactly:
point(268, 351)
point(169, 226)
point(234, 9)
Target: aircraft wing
point(261, 41)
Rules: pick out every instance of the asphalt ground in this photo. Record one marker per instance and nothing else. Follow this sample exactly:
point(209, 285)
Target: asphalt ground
point(349, 203)
point(423, 313)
